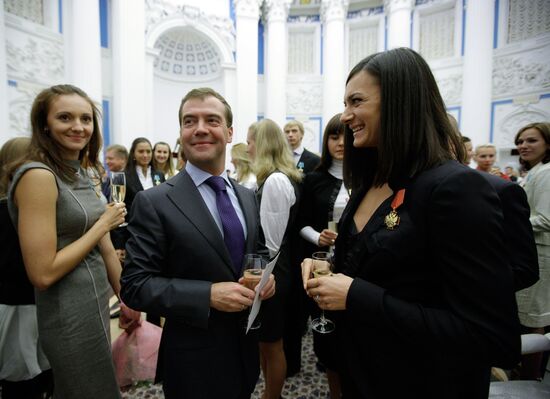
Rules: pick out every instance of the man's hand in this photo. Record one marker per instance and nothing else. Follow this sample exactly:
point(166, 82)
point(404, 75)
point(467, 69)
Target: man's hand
point(230, 297)
point(129, 319)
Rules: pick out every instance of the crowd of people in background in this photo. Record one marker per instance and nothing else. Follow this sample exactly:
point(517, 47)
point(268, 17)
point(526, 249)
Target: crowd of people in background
point(393, 198)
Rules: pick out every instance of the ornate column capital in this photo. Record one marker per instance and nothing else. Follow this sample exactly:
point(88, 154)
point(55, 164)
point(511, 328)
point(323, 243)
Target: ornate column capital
point(247, 8)
point(334, 9)
point(397, 5)
point(276, 10)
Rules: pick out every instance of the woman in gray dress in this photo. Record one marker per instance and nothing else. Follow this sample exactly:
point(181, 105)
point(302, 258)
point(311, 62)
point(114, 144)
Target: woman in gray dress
point(63, 229)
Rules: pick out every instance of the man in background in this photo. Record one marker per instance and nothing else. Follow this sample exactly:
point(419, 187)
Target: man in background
point(305, 160)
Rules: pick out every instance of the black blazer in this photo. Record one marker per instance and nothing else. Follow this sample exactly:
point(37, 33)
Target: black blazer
point(174, 254)
point(133, 185)
point(518, 232)
point(15, 287)
point(308, 161)
point(434, 296)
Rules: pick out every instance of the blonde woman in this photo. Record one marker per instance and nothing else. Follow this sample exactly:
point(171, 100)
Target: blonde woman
point(277, 180)
point(162, 159)
point(243, 166)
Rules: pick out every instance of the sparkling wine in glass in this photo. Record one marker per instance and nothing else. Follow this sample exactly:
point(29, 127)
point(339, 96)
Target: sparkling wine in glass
point(322, 267)
point(333, 226)
point(118, 189)
point(253, 270)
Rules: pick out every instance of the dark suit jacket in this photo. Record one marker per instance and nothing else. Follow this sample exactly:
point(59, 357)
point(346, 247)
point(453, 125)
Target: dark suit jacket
point(518, 232)
point(174, 254)
point(308, 161)
point(434, 296)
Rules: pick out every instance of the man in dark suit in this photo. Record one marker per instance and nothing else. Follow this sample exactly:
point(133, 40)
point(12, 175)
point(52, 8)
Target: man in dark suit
point(305, 160)
point(184, 258)
point(518, 232)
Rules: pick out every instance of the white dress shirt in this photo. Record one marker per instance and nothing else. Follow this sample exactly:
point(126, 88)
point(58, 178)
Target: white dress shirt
point(277, 198)
point(146, 179)
point(336, 169)
point(297, 154)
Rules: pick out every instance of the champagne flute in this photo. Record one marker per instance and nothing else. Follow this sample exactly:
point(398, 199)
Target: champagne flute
point(253, 270)
point(322, 267)
point(118, 189)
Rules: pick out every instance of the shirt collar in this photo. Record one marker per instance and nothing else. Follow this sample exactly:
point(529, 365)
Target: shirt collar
point(199, 176)
point(298, 151)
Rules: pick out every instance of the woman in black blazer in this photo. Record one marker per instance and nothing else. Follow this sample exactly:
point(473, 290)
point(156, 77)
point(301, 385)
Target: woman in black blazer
point(139, 171)
point(422, 284)
point(140, 176)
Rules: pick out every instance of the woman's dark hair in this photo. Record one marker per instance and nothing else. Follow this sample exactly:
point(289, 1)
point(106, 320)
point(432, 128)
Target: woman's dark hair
point(44, 149)
point(131, 164)
point(334, 127)
point(544, 129)
point(415, 133)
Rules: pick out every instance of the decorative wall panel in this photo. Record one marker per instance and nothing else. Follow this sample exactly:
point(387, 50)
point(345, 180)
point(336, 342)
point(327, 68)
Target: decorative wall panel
point(35, 59)
point(521, 73)
point(301, 52)
point(436, 34)
point(32, 10)
point(363, 41)
point(528, 18)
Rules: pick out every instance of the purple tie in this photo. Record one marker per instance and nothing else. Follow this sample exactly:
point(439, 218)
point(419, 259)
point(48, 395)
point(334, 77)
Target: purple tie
point(233, 233)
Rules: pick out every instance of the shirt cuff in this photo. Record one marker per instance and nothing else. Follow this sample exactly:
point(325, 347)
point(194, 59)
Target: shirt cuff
point(309, 234)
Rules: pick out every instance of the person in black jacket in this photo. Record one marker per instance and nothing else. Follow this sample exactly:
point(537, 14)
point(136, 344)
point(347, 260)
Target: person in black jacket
point(422, 280)
point(518, 233)
point(305, 160)
point(140, 176)
point(24, 371)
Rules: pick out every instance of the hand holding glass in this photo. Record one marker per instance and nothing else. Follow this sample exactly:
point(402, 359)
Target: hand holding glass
point(322, 267)
point(118, 189)
point(253, 269)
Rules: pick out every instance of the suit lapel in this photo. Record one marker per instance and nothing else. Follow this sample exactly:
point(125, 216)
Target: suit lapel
point(248, 207)
point(186, 197)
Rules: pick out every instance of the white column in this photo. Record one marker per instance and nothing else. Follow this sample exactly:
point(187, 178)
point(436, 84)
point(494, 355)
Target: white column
point(129, 65)
point(276, 60)
point(150, 55)
point(245, 105)
point(83, 46)
point(333, 14)
point(5, 133)
point(478, 71)
point(399, 22)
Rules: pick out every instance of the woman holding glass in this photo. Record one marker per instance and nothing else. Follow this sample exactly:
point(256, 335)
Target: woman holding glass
point(533, 143)
point(277, 195)
point(421, 278)
point(63, 230)
point(324, 198)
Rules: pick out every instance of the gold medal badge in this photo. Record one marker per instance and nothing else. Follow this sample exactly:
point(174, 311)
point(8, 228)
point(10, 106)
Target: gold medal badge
point(392, 219)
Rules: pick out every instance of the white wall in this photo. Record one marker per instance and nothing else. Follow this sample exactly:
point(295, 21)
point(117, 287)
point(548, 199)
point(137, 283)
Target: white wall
point(167, 99)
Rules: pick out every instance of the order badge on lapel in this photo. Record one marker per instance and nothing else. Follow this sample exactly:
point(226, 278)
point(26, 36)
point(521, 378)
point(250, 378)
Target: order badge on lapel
point(156, 178)
point(392, 219)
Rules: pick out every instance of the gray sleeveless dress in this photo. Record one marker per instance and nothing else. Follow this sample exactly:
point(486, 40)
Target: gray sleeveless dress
point(73, 314)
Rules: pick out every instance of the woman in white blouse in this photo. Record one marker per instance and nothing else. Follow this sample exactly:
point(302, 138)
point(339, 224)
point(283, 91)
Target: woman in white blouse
point(324, 198)
point(277, 179)
point(533, 144)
